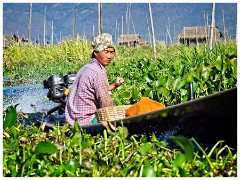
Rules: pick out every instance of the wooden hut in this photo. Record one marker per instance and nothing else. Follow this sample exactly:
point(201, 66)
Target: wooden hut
point(9, 40)
point(132, 40)
point(200, 34)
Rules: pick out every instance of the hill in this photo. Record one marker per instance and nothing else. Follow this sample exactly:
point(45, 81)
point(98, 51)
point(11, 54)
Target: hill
point(173, 16)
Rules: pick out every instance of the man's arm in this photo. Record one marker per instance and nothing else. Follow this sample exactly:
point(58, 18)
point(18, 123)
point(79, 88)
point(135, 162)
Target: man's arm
point(117, 82)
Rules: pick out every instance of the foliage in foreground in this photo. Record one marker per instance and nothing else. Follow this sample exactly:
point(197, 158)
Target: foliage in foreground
point(29, 151)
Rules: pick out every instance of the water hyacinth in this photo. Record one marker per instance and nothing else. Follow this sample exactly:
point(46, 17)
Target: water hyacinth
point(70, 152)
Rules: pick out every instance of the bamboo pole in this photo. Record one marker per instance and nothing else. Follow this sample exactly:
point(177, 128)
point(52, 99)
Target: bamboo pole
point(168, 30)
point(127, 23)
point(44, 28)
point(150, 39)
point(93, 33)
point(60, 36)
point(74, 22)
point(130, 14)
point(122, 25)
point(153, 36)
point(212, 26)
point(169, 35)
point(196, 35)
point(116, 31)
point(30, 23)
point(52, 34)
point(184, 41)
point(224, 27)
point(99, 18)
point(127, 32)
point(174, 34)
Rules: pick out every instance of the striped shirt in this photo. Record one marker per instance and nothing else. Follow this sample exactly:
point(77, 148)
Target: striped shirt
point(89, 92)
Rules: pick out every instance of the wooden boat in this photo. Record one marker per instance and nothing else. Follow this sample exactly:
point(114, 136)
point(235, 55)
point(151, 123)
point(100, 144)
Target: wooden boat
point(207, 119)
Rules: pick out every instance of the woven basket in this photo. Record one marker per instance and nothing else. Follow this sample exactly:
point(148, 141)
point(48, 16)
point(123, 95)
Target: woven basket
point(111, 113)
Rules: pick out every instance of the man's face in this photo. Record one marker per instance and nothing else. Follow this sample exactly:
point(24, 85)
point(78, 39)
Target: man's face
point(105, 56)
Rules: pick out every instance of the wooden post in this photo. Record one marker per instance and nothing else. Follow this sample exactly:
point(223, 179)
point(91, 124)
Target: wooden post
point(224, 27)
point(196, 36)
point(60, 36)
point(184, 42)
point(127, 24)
point(169, 35)
point(153, 37)
point(122, 25)
point(168, 31)
point(30, 23)
point(116, 31)
point(99, 18)
point(93, 32)
point(150, 39)
point(212, 26)
point(74, 22)
point(132, 22)
point(52, 34)
point(127, 21)
point(44, 28)
point(174, 34)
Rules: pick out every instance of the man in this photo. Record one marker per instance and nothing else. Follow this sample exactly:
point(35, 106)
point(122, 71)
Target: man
point(91, 90)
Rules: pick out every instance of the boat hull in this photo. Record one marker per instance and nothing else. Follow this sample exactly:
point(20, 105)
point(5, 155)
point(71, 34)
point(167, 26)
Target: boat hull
point(207, 119)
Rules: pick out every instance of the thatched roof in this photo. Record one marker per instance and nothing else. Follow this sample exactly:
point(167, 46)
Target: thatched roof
point(200, 32)
point(8, 40)
point(129, 38)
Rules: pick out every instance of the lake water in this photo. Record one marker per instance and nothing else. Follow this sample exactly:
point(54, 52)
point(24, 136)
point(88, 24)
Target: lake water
point(30, 98)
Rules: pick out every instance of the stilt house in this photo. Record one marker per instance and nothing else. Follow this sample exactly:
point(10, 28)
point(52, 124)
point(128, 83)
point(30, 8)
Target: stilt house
point(131, 40)
point(200, 34)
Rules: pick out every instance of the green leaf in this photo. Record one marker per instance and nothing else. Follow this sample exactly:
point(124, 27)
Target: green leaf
point(205, 72)
point(148, 171)
point(230, 81)
point(145, 148)
point(127, 170)
point(153, 138)
point(181, 84)
point(218, 65)
point(14, 132)
point(180, 161)
point(189, 78)
point(146, 93)
point(11, 116)
point(124, 95)
point(45, 147)
point(162, 81)
point(123, 131)
point(163, 91)
point(76, 126)
point(72, 165)
point(150, 95)
point(76, 139)
point(135, 93)
point(186, 145)
point(175, 83)
point(147, 79)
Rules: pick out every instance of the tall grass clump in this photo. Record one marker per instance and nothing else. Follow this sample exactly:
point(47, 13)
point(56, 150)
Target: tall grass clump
point(30, 64)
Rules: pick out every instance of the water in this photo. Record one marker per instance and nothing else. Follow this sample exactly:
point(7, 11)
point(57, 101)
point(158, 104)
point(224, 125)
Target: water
point(30, 98)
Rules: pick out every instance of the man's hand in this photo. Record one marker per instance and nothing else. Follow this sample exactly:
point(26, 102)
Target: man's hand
point(118, 82)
